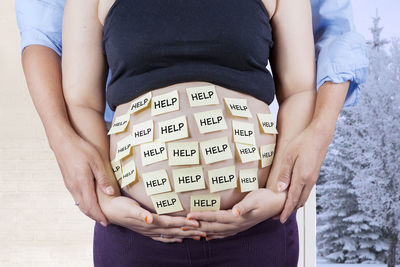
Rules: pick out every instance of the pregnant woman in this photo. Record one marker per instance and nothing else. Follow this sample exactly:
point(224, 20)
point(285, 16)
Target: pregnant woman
point(192, 74)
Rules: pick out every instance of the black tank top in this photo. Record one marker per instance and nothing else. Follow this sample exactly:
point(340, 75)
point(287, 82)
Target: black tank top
point(151, 44)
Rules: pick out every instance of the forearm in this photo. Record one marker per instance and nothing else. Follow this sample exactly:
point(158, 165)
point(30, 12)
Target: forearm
point(330, 100)
point(84, 72)
point(294, 115)
point(42, 70)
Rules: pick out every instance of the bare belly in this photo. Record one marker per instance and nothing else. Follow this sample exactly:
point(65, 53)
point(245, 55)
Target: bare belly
point(228, 197)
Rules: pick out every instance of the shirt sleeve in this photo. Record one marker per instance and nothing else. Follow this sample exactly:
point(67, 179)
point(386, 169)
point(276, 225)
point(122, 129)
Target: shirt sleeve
point(40, 23)
point(108, 113)
point(341, 51)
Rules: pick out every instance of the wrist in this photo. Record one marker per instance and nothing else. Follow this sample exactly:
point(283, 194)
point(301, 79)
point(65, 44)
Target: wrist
point(317, 137)
point(60, 134)
point(104, 201)
point(277, 199)
point(330, 99)
point(322, 131)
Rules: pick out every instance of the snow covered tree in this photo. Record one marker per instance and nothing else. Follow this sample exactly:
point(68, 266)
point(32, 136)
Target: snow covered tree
point(345, 234)
point(358, 193)
point(376, 41)
point(378, 184)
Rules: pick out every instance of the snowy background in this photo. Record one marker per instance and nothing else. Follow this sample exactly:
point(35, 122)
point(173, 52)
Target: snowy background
point(358, 192)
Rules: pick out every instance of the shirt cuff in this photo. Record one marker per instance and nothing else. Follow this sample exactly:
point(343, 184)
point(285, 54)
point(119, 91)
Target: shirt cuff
point(36, 37)
point(344, 59)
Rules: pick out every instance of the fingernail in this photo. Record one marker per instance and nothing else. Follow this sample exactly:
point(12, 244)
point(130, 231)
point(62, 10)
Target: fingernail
point(184, 229)
point(190, 218)
point(281, 186)
point(104, 224)
point(146, 220)
point(238, 212)
point(180, 240)
point(196, 238)
point(109, 190)
point(194, 224)
point(203, 235)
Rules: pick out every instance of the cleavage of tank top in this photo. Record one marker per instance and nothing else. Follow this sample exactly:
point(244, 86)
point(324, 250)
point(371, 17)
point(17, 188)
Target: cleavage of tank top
point(143, 39)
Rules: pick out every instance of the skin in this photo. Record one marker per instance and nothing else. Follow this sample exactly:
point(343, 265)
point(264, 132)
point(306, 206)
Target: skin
point(79, 162)
point(294, 75)
point(228, 197)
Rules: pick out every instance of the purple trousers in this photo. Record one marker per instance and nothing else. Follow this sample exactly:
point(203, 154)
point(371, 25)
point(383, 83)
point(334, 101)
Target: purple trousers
point(268, 243)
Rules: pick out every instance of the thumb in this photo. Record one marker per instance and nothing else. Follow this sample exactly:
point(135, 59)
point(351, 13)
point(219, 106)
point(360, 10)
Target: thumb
point(101, 176)
point(285, 174)
point(246, 205)
point(135, 211)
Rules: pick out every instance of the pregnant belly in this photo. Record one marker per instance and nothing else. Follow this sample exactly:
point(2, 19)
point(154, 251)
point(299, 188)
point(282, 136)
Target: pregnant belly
point(210, 166)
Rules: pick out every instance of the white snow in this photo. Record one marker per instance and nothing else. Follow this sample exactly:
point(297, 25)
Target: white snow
point(324, 263)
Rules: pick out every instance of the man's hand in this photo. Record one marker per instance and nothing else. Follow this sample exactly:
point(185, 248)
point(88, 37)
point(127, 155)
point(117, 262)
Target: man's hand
point(304, 154)
point(301, 164)
point(81, 166)
point(256, 207)
point(79, 161)
point(126, 212)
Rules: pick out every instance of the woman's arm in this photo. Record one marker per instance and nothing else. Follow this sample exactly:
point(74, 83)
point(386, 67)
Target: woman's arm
point(293, 66)
point(84, 75)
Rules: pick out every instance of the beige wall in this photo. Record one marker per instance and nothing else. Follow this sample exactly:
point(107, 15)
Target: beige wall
point(39, 224)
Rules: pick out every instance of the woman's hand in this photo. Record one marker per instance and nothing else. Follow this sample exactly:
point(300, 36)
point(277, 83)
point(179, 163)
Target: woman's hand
point(127, 212)
point(256, 207)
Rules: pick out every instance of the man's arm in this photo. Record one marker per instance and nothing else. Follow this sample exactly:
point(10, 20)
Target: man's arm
point(305, 154)
point(341, 51)
point(342, 64)
point(78, 160)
